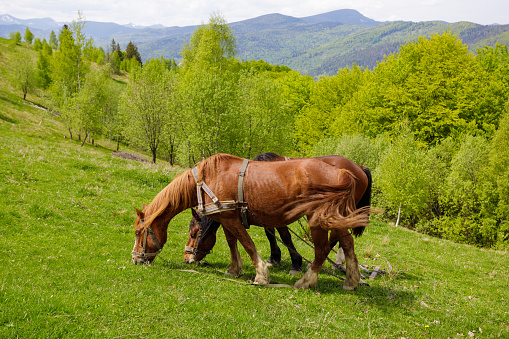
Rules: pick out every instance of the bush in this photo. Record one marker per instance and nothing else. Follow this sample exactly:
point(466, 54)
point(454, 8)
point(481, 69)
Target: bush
point(358, 148)
point(401, 177)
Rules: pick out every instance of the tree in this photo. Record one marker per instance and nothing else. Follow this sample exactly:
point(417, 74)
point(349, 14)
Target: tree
point(29, 36)
point(43, 67)
point(146, 102)
point(498, 174)
point(211, 47)
point(24, 73)
point(69, 70)
point(15, 37)
point(88, 105)
point(462, 193)
point(112, 121)
point(37, 44)
point(401, 177)
point(119, 52)
point(209, 88)
point(261, 123)
point(53, 41)
point(131, 51)
point(326, 100)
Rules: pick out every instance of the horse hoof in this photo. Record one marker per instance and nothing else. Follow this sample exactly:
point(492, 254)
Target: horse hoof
point(294, 272)
point(272, 262)
point(261, 281)
point(348, 287)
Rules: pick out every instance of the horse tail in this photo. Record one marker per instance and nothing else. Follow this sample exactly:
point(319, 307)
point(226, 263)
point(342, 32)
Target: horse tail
point(365, 200)
point(332, 206)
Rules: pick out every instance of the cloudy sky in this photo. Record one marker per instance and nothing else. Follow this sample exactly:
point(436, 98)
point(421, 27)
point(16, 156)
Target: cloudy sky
point(195, 12)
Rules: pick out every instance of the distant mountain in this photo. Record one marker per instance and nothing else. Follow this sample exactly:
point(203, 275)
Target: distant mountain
point(314, 45)
point(344, 16)
point(39, 24)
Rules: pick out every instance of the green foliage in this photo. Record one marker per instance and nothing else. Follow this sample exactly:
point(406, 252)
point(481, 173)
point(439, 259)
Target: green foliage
point(43, 68)
point(15, 37)
point(401, 177)
point(29, 36)
point(24, 74)
point(358, 148)
point(498, 175)
point(53, 41)
point(146, 103)
point(211, 46)
point(37, 44)
point(227, 108)
point(131, 51)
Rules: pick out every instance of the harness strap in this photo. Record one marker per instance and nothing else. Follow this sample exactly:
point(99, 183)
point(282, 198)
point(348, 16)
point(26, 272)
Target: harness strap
point(240, 191)
point(200, 185)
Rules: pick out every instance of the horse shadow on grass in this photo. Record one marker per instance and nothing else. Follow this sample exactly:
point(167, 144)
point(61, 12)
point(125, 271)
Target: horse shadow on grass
point(375, 294)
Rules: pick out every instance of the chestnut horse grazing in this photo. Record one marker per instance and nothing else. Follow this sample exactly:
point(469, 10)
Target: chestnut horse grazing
point(202, 230)
point(276, 194)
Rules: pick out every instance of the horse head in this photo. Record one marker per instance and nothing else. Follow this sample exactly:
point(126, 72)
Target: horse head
point(202, 237)
point(146, 247)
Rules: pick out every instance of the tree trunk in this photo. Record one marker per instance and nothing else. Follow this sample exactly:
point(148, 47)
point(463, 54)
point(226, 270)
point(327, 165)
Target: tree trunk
point(154, 151)
point(84, 139)
point(399, 214)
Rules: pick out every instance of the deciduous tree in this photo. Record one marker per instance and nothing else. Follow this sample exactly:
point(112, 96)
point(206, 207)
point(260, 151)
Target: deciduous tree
point(29, 36)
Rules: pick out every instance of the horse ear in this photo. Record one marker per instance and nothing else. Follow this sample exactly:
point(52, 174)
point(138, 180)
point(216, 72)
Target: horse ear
point(144, 206)
point(196, 216)
point(140, 213)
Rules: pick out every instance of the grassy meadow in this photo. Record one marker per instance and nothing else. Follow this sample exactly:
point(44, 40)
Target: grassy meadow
point(66, 236)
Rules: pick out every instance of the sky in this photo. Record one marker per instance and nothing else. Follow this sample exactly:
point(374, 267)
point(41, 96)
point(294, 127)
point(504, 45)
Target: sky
point(196, 12)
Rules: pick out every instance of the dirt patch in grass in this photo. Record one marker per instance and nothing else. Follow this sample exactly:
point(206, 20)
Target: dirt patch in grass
point(130, 156)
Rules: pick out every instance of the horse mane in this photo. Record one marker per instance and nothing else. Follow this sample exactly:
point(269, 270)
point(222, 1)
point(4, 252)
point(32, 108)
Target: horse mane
point(207, 167)
point(177, 193)
point(269, 156)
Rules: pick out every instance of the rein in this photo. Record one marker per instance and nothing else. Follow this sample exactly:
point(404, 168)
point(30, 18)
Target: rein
point(143, 253)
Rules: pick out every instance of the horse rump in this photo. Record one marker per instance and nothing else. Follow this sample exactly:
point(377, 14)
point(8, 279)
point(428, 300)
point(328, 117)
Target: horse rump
point(331, 206)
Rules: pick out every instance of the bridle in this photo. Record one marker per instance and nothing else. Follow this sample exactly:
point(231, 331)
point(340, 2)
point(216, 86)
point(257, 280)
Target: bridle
point(194, 249)
point(143, 254)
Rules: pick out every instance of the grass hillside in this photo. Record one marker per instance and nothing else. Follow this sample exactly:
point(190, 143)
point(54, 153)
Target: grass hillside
point(66, 236)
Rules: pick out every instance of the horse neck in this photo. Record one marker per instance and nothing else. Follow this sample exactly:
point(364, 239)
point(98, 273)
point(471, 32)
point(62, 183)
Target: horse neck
point(178, 196)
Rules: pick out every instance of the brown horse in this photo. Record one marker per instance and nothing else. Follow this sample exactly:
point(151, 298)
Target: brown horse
point(277, 194)
point(202, 230)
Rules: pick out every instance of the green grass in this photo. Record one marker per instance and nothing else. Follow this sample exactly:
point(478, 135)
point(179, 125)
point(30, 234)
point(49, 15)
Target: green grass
point(66, 236)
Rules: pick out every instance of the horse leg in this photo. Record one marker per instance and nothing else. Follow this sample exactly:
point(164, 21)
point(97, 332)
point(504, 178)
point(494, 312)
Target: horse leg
point(353, 275)
point(235, 268)
point(296, 257)
point(322, 249)
point(275, 252)
point(333, 240)
point(239, 232)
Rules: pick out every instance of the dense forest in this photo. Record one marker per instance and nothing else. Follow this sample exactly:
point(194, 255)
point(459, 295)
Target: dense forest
point(431, 120)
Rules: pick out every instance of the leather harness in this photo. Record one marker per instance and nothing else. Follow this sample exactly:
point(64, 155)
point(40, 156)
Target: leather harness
point(217, 206)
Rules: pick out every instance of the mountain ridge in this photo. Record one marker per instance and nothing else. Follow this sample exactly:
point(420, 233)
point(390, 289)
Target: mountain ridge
point(313, 45)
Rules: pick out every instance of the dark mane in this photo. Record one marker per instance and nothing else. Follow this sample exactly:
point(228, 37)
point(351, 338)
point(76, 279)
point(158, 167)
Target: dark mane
point(207, 227)
point(269, 156)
